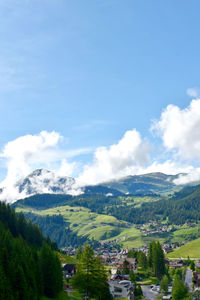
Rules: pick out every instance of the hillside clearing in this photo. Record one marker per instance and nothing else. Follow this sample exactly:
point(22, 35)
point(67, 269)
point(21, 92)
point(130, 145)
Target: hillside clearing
point(191, 249)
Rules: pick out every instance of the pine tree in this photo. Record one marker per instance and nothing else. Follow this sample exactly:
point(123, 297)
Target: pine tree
point(179, 290)
point(164, 283)
point(149, 260)
point(91, 276)
point(51, 271)
point(79, 252)
point(125, 269)
point(142, 260)
point(5, 289)
point(156, 259)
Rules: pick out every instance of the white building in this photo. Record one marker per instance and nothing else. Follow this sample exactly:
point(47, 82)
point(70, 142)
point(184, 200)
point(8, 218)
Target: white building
point(122, 289)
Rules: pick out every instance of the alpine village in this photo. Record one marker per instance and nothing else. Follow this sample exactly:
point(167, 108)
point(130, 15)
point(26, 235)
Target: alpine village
point(133, 238)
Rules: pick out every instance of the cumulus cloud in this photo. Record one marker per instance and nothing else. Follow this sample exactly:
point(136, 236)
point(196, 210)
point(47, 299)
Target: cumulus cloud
point(123, 158)
point(180, 130)
point(24, 154)
point(193, 92)
point(25, 151)
point(67, 168)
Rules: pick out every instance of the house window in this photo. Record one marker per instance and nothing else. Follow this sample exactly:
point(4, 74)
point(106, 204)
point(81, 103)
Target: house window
point(117, 290)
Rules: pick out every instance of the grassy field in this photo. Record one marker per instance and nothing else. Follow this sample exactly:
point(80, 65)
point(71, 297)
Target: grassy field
point(65, 259)
point(105, 227)
point(84, 222)
point(191, 249)
point(129, 237)
point(184, 233)
point(137, 201)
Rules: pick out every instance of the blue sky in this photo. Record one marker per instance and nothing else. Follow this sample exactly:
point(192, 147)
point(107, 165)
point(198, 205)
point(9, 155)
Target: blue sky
point(91, 70)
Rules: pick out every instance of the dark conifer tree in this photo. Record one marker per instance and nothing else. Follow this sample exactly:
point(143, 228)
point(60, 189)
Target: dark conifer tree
point(156, 259)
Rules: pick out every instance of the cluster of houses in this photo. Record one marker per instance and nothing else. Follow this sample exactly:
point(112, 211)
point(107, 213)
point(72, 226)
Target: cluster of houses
point(70, 251)
point(157, 228)
point(168, 247)
point(102, 247)
point(120, 285)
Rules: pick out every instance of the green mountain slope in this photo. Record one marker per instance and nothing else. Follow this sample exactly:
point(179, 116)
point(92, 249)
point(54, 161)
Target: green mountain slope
point(84, 222)
point(176, 209)
point(114, 217)
point(191, 249)
point(74, 225)
point(146, 183)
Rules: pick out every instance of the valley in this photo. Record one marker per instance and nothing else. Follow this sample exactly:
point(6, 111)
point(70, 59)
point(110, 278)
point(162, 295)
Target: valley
point(109, 229)
point(110, 215)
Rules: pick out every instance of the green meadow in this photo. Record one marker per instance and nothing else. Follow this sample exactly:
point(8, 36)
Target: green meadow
point(191, 249)
point(106, 227)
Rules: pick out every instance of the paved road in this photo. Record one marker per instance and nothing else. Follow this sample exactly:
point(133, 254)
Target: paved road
point(188, 279)
point(148, 293)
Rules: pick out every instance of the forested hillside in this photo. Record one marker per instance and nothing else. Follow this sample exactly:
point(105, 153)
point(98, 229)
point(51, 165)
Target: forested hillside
point(178, 208)
point(184, 206)
point(57, 229)
point(29, 266)
point(72, 220)
point(146, 183)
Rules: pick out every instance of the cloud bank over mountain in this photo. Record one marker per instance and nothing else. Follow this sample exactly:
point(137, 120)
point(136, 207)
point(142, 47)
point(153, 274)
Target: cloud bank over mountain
point(24, 154)
point(123, 158)
point(179, 130)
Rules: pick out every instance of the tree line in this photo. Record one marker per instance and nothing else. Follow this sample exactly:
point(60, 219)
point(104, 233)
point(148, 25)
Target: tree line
point(57, 229)
point(179, 208)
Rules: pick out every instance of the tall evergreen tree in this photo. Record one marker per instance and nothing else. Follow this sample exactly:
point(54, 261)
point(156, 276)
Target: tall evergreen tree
point(142, 260)
point(125, 269)
point(156, 259)
point(149, 259)
point(91, 276)
point(79, 252)
point(179, 290)
point(51, 271)
point(164, 283)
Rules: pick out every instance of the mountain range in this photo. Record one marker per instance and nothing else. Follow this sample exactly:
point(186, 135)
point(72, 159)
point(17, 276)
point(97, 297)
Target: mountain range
point(42, 181)
point(111, 211)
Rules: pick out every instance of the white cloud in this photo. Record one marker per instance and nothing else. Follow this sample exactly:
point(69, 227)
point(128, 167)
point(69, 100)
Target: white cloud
point(27, 150)
point(170, 167)
point(24, 154)
point(192, 176)
point(66, 168)
point(193, 92)
point(123, 158)
point(180, 130)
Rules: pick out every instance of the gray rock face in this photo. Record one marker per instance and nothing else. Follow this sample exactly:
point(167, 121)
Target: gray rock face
point(43, 181)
